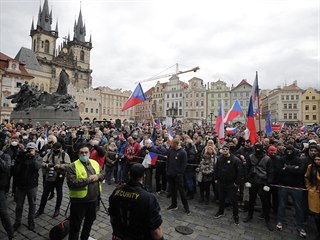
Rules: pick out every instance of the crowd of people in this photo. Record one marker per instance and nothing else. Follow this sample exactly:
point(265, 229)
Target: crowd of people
point(281, 168)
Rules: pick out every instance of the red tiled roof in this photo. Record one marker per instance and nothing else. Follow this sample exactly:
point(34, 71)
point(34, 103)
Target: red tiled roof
point(292, 86)
point(4, 63)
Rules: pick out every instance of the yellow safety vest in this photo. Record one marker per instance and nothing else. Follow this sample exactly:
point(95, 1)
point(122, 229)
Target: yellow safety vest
point(81, 173)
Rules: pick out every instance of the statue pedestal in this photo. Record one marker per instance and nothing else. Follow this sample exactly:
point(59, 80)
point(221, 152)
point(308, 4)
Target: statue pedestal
point(70, 118)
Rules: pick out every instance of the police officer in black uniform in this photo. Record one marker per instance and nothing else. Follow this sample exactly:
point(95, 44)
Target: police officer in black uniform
point(134, 212)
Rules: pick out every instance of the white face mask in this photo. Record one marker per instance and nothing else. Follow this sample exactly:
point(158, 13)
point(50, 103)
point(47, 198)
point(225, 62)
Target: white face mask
point(95, 142)
point(14, 144)
point(25, 137)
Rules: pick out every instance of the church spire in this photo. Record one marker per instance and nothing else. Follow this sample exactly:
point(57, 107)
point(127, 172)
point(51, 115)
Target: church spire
point(45, 17)
point(32, 25)
point(57, 26)
point(79, 29)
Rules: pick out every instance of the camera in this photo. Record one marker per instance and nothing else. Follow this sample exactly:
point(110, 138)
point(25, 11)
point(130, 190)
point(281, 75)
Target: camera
point(51, 172)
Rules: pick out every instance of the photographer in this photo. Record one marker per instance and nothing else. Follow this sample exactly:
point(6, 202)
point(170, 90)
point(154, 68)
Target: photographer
point(54, 168)
point(26, 173)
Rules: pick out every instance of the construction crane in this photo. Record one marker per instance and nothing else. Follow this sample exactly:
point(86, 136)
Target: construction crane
point(170, 75)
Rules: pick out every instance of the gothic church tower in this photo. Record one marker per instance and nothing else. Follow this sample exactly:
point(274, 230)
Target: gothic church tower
point(71, 55)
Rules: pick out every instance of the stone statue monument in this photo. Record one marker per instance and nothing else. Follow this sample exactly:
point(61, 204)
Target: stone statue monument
point(42, 106)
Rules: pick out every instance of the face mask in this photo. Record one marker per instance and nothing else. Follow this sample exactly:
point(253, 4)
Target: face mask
point(25, 137)
point(272, 155)
point(84, 158)
point(14, 144)
point(56, 151)
point(95, 142)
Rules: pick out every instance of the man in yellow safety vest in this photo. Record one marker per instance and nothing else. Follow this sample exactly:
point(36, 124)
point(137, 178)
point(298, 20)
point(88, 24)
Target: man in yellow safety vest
point(84, 178)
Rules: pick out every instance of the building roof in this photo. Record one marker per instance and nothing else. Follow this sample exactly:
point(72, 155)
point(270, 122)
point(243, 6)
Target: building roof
point(149, 92)
point(292, 86)
point(4, 64)
point(27, 57)
point(243, 82)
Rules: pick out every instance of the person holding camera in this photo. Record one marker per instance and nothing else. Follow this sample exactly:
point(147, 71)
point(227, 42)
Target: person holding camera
point(26, 173)
point(54, 167)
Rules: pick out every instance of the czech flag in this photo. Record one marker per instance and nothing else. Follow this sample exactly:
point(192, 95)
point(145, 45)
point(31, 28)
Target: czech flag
point(303, 128)
point(150, 158)
point(234, 112)
point(251, 126)
point(219, 127)
point(255, 89)
point(231, 131)
point(136, 97)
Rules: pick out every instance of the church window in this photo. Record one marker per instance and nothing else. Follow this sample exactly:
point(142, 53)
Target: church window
point(82, 55)
point(34, 45)
point(46, 46)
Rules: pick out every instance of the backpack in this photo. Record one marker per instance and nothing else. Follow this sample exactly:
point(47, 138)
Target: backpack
point(61, 230)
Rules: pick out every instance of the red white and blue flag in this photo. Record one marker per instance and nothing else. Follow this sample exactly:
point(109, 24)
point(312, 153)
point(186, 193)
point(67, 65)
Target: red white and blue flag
point(231, 131)
point(136, 97)
point(150, 159)
point(303, 128)
point(219, 127)
point(268, 124)
point(255, 89)
point(234, 112)
point(251, 126)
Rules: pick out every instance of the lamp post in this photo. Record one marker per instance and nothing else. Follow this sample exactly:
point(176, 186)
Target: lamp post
point(211, 114)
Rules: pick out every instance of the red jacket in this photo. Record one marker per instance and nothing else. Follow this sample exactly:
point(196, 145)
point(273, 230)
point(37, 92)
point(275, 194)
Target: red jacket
point(95, 156)
point(131, 152)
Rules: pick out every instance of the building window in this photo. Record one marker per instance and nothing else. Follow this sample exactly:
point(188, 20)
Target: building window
point(287, 97)
point(202, 114)
point(190, 104)
point(176, 95)
point(197, 94)
point(307, 97)
point(180, 104)
point(212, 103)
point(197, 114)
point(86, 110)
point(314, 107)
point(180, 94)
point(290, 115)
point(292, 97)
point(290, 106)
point(314, 117)
point(197, 104)
point(18, 84)
point(186, 114)
point(97, 111)
point(104, 111)
point(180, 112)
point(212, 95)
point(201, 103)
point(187, 95)
point(313, 97)
point(285, 116)
point(172, 95)
point(186, 104)
point(168, 96)
point(219, 95)
point(297, 97)
point(82, 55)
point(282, 97)
point(91, 110)
point(34, 45)
point(285, 106)
point(307, 107)
point(295, 116)
point(46, 46)
point(202, 94)
point(307, 117)
point(294, 106)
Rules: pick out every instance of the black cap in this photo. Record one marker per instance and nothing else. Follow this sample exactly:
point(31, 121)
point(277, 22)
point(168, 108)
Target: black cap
point(137, 171)
point(56, 145)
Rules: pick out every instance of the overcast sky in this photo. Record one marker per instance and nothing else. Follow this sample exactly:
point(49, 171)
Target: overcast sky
point(228, 40)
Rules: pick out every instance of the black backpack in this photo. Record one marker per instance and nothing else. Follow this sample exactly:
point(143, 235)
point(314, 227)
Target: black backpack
point(61, 230)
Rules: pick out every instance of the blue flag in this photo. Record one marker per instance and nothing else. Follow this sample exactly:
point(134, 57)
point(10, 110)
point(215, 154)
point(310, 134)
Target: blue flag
point(268, 125)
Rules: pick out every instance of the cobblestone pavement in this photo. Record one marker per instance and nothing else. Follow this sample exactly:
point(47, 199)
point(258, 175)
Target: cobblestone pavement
point(201, 221)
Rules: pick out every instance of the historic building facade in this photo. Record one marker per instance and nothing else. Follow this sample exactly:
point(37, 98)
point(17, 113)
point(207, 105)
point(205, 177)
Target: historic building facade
point(12, 75)
point(310, 106)
point(195, 101)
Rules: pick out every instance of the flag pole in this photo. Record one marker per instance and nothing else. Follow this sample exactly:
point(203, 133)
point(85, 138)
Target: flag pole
point(260, 133)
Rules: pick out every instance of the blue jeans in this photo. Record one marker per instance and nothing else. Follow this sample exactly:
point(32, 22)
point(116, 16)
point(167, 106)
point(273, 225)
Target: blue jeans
point(297, 196)
point(189, 177)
